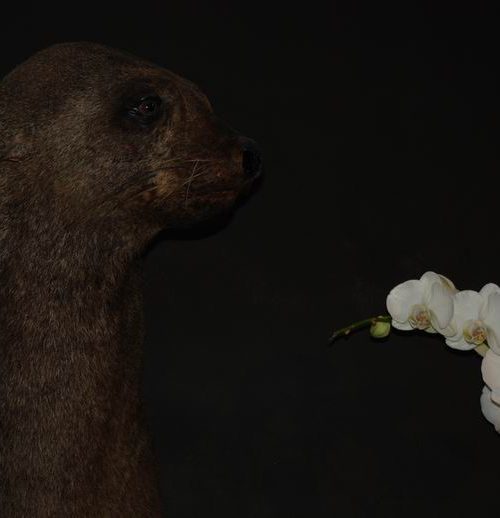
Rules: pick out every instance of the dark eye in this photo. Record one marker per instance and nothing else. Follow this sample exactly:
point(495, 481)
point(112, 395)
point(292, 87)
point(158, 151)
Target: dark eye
point(144, 109)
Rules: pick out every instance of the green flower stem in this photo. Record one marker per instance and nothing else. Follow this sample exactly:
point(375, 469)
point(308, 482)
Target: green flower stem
point(482, 349)
point(345, 331)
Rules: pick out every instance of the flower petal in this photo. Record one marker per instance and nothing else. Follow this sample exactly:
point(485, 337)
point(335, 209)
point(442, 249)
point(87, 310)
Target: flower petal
point(490, 315)
point(402, 326)
point(448, 284)
point(461, 344)
point(491, 411)
point(429, 278)
point(402, 298)
point(493, 340)
point(466, 306)
point(440, 305)
point(489, 288)
point(490, 369)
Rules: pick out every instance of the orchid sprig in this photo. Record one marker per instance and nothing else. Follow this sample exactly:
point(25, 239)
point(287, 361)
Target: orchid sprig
point(380, 327)
point(466, 319)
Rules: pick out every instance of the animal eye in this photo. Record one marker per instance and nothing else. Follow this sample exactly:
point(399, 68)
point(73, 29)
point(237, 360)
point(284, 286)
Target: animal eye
point(149, 105)
point(145, 109)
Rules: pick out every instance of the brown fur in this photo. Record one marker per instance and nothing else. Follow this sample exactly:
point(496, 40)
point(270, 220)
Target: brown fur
point(82, 192)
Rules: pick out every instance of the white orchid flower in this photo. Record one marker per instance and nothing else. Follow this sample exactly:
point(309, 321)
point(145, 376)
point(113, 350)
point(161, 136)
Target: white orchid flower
point(474, 318)
point(425, 304)
point(490, 409)
point(490, 318)
point(490, 369)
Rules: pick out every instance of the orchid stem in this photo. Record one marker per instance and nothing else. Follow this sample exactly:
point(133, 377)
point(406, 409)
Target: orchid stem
point(345, 331)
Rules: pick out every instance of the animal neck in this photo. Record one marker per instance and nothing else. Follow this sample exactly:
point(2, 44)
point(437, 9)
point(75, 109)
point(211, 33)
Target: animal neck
point(70, 349)
point(69, 299)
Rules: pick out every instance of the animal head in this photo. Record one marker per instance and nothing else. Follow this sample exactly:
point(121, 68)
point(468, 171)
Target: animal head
point(91, 135)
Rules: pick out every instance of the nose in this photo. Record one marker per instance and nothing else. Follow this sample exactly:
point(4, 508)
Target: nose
point(251, 159)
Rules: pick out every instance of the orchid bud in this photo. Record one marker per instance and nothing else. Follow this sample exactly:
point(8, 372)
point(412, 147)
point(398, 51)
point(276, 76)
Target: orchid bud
point(380, 329)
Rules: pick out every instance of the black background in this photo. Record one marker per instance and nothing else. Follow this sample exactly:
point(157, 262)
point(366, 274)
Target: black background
point(377, 125)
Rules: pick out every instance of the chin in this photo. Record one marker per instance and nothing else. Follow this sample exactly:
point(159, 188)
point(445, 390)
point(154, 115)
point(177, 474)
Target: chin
point(202, 210)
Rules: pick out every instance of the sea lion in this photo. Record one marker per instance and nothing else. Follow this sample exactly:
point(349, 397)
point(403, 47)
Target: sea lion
point(99, 152)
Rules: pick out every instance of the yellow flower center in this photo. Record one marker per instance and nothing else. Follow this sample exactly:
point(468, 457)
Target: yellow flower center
point(475, 332)
point(420, 317)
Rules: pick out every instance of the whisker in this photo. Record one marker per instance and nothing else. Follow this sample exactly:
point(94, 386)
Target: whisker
point(120, 195)
point(189, 183)
point(193, 177)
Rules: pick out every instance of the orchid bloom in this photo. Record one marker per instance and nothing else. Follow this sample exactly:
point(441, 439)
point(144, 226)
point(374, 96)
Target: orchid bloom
point(467, 320)
point(490, 369)
point(425, 304)
point(476, 319)
point(490, 409)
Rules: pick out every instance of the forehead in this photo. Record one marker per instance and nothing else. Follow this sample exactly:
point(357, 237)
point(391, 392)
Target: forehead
point(87, 70)
point(136, 79)
point(124, 71)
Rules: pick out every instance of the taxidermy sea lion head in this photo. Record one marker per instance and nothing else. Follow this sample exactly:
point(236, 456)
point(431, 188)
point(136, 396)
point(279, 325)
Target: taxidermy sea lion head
point(97, 138)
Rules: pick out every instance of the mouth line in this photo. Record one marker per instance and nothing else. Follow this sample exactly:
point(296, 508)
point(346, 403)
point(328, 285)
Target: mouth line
point(215, 194)
point(226, 191)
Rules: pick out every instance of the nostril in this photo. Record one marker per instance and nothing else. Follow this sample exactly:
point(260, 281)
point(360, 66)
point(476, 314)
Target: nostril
point(251, 158)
